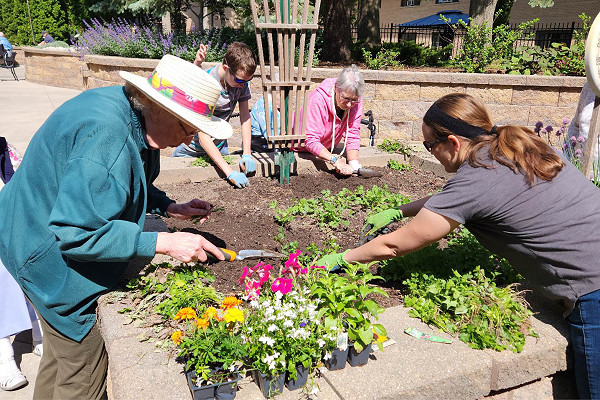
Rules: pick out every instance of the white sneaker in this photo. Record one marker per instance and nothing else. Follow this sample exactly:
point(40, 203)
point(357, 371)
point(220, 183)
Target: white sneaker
point(38, 349)
point(14, 380)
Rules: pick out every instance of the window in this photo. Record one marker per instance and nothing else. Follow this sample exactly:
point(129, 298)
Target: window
point(445, 1)
point(410, 3)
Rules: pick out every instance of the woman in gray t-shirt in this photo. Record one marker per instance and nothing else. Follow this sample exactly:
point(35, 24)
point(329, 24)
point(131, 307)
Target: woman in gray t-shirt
point(521, 201)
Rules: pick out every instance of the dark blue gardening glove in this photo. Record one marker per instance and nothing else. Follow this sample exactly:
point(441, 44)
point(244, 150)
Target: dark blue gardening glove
point(333, 262)
point(247, 164)
point(238, 179)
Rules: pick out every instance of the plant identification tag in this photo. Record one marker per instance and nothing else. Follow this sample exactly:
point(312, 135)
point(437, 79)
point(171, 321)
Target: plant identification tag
point(420, 335)
point(342, 341)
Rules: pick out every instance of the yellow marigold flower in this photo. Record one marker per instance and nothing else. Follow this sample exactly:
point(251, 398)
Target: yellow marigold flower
point(210, 312)
point(202, 323)
point(233, 315)
point(185, 313)
point(176, 336)
point(230, 302)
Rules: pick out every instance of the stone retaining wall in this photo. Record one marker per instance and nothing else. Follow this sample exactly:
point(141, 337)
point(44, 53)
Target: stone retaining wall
point(398, 98)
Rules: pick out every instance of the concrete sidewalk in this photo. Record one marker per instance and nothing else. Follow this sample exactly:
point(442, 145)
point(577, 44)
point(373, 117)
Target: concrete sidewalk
point(409, 369)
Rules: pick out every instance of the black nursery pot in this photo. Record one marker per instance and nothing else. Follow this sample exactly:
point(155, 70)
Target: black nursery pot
point(270, 385)
point(358, 359)
point(220, 391)
point(301, 378)
point(337, 360)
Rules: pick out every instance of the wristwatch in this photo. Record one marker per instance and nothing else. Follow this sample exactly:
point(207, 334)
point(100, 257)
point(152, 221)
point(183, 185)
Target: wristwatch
point(333, 159)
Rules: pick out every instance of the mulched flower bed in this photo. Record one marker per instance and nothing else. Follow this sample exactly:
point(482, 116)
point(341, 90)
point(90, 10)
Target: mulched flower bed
point(242, 219)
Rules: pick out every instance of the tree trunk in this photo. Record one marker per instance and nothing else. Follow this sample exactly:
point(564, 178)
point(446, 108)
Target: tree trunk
point(337, 35)
point(482, 11)
point(177, 17)
point(368, 25)
point(189, 6)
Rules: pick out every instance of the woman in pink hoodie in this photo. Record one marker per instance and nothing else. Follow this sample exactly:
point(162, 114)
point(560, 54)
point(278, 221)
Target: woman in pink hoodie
point(334, 113)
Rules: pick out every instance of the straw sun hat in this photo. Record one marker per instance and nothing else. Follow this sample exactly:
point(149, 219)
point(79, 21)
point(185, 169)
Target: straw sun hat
point(186, 91)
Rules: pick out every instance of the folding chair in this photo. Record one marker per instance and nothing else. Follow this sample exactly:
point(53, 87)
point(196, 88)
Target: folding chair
point(8, 61)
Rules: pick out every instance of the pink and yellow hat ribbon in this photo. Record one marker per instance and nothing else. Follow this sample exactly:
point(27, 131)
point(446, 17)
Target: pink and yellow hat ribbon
point(167, 89)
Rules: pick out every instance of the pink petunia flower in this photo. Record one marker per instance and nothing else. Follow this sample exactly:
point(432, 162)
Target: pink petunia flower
point(282, 285)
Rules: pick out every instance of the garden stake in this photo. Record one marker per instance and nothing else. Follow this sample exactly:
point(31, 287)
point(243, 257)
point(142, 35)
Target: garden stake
point(420, 335)
point(284, 159)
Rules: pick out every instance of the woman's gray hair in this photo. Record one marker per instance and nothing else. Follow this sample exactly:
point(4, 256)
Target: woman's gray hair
point(351, 79)
point(140, 101)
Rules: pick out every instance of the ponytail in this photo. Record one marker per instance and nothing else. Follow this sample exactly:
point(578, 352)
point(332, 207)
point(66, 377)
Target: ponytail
point(519, 149)
point(516, 147)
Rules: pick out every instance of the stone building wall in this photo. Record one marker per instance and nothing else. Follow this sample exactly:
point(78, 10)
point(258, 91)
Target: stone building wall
point(398, 99)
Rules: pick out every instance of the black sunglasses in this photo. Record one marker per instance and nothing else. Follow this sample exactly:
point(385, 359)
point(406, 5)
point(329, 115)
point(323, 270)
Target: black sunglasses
point(430, 145)
point(235, 78)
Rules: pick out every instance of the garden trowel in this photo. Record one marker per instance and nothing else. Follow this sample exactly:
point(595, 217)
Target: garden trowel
point(366, 173)
point(231, 255)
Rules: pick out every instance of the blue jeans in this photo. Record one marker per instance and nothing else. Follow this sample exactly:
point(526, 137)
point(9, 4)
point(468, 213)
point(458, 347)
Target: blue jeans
point(584, 328)
point(186, 151)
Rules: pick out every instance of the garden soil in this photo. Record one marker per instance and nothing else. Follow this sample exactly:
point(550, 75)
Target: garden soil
point(243, 218)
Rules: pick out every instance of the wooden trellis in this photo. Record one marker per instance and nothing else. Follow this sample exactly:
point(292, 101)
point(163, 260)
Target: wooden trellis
point(282, 27)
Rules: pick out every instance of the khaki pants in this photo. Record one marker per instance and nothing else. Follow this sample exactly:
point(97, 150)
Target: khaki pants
point(70, 369)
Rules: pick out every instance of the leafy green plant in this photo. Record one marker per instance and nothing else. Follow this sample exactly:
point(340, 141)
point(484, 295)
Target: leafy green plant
point(558, 59)
point(472, 305)
point(483, 44)
point(528, 61)
point(330, 211)
point(212, 344)
point(164, 289)
point(462, 253)
point(395, 165)
point(407, 53)
point(205, 161)
point(383, 59)
point(346, 304)
point(395, 146)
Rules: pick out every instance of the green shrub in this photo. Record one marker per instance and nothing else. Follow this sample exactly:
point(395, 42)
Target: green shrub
point(406, 53)
point(383, 59)
point(482, 45)
point(56, 43)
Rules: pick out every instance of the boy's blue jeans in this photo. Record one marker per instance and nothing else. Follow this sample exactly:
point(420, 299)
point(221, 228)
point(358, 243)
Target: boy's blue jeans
point(584, 328)
point(185, 151)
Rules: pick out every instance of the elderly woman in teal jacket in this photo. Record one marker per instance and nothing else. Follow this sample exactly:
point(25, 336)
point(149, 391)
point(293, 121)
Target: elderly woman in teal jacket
point(72, 217)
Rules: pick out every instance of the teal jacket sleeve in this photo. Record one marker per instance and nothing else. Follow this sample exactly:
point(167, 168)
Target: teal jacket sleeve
point(157, 199)
point(92, 213)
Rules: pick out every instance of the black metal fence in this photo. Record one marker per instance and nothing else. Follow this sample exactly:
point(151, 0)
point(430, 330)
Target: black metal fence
point(436, 36)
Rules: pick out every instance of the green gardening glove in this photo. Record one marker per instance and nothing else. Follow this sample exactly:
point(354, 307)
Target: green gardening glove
point(377, 222)
point(332, 261)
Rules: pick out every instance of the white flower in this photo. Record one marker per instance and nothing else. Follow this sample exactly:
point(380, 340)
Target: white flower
point(327, 356)
point(321, 342)
point(272, 328)
point(301, 333)
point(267, 340)
point(278, 295)
point(314, 390)
point(271, 318)
point(288, 323)
point(270, 360)
point(254, 304)
point(232, 368)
